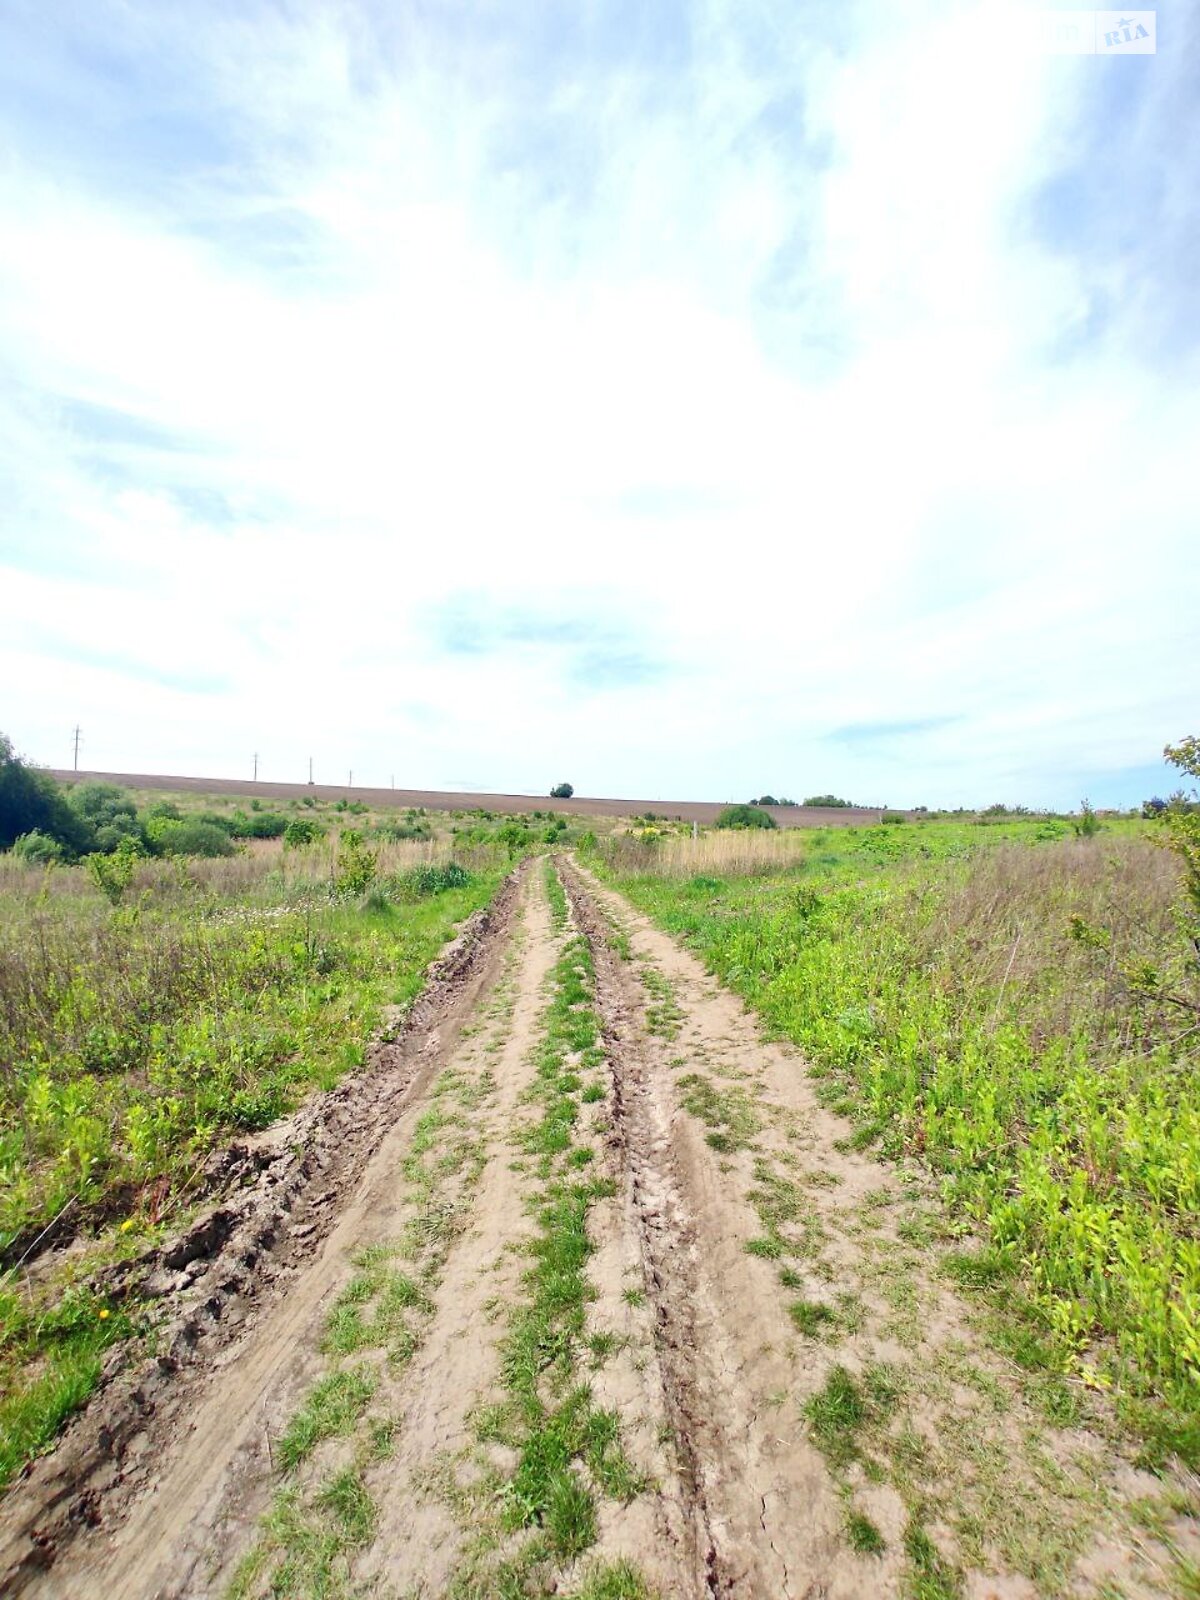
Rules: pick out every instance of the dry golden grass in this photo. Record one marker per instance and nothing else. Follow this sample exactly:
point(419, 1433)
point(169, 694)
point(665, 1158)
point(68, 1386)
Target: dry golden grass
point(257, 864)
point(719, 854)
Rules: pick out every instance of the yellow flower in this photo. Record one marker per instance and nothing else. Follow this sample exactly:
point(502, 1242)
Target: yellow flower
point(127, 1224)
point(103, 1314)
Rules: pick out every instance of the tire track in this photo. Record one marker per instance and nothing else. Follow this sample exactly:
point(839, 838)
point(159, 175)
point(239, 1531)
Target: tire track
point(239, 1284)
point(643, 1141)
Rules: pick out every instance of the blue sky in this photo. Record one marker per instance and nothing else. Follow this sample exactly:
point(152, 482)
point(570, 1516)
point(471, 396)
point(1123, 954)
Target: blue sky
point(687, 401)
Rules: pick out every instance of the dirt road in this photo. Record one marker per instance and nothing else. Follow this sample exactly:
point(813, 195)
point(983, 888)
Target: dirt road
point(586, 1297)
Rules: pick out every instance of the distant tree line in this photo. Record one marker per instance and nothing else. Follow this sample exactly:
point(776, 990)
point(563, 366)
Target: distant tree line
point(42, 822)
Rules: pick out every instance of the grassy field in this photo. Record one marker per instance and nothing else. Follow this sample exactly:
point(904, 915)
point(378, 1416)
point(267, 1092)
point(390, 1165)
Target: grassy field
point(136, 1037)
point(1018, 1009)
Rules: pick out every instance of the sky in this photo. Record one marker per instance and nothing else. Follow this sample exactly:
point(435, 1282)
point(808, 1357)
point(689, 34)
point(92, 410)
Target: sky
point(685, 401)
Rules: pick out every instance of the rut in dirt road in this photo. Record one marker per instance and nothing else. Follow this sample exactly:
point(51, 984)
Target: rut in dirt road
point(609, 1310)
point(845, 1429)
point(221, 1280)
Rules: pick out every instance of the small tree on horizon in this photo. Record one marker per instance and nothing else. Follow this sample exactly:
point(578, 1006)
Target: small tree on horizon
point(562, 791)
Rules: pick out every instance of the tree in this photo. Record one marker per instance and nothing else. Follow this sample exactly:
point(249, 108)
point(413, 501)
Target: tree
point(827, 800)
point(1182, 819)
point(31, 801)
point(765, 800)
point(745, 817)
point(562, 791)
point(110, 814)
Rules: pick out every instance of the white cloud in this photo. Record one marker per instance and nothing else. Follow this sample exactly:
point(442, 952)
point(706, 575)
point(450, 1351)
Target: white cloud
point(526, 307)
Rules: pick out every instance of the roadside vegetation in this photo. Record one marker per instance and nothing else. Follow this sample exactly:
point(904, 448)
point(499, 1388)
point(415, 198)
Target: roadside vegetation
point(152, 1009)
point(1015, 1003)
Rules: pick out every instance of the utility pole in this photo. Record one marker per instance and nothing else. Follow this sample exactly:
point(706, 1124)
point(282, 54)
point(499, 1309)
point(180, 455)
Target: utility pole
point(350, 779)
point(78, 731)
point(310, 769)
point(256, 766)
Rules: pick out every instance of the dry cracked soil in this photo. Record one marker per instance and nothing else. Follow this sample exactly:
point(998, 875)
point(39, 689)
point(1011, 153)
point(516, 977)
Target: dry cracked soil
point(577, 1290)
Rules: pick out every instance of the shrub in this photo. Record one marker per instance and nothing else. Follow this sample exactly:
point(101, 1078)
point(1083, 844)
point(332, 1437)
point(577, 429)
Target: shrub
point(110, 813)
point(513, 834)
point(164, 808)
point(430, 880)
point(745, 817)
point(827, 800)
point(562, 791)
point(1183, 821)
point(193, 837)
point(1088, 824)
point(302, 831)
point(765, 800)
point(113, 873)
point(261, 825)
point(39, 849)
point(214, 819)
point(357, 863)
point(31, 801)
point(398, 832)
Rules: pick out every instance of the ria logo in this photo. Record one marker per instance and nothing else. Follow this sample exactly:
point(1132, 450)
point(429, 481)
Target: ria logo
point(1097, 33)
point(1130, 30)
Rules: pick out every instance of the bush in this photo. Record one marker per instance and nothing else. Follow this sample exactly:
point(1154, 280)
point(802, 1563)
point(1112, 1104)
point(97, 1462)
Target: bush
point(827, 800)
point(261, 825)
point(357, 864)
point(398, 832)
point(745, 817)
point(562, 791)
point(110, 813)
point(164, 809)
point(31, 802)
point(434, 879)
point(765, 800)
point(192, 837)
point(1182, 818)
point(113, 873)
point(214, 819)
point(38, 849)
point(302, 831)
point(1088, 824)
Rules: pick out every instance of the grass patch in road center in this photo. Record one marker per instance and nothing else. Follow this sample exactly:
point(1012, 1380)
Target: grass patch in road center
point(568, 1450)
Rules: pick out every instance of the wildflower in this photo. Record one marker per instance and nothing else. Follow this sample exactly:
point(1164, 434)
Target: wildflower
point(103, 1313)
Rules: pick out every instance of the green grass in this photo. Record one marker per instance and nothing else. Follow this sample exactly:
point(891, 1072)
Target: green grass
point(728, 1114)
point(145, 1036)
point(567, 1450)
point(811, 1317)
point(1015, 1008)
point(332, 1407)
point(863, 1536)
point(616, 1580)
point(307, 1541)
point(931, 1577)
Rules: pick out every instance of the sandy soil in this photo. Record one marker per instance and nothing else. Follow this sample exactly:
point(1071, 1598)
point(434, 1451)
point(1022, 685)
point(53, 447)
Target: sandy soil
point(713, 1140)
